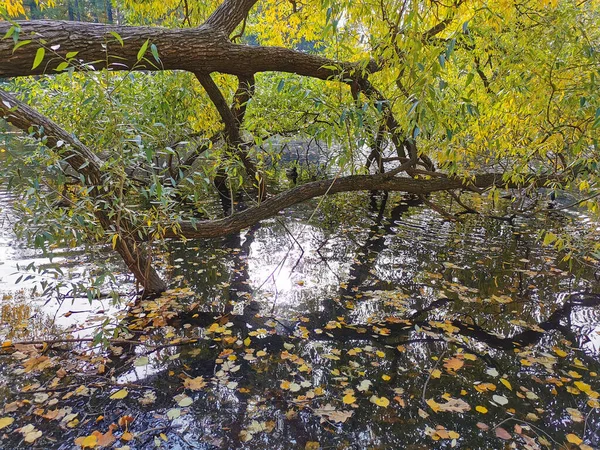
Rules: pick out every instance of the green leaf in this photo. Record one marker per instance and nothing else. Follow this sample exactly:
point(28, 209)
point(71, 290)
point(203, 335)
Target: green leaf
point(154, 51)
point(9, 33)
point(39, 57)
point(71, 55)
point(62, 66)
point(142, 51)
point(21, 44)
point(118, 37)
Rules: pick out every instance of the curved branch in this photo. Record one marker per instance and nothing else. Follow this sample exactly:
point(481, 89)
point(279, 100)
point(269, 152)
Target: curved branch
point(380, 182)
point(192, 49)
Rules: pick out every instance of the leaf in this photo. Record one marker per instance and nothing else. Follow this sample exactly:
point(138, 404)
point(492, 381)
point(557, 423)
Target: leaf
point(453, 364)
point(183, 400)
point(141, 361)
point(6, 421)
point(154, 52)
point(90, 441)
point(118, 37)
point(349, 399)
point(173, 413)
point(71, 55)
point(506, 383)
point(142, 50)
point(21, 44)
point(500, 399)
point(481, 409)
point(574, 439)
point(120, 394)
point(380, 401)
point(364, 385)
point(455, 405)
point(39, 57)
point(194, 384)
point(503, 434)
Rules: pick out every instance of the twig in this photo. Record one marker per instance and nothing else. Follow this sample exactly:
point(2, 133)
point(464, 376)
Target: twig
point(429, 376)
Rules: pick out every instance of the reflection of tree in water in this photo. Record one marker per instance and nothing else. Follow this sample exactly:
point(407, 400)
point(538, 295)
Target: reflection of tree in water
point(411, 338)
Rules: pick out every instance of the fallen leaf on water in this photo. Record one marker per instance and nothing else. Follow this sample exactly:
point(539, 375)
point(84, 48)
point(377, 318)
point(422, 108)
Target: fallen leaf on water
point(194, 384)
point(349, 399)
point(380, 401)
point(90, 441)
point(500, 399)
point(481, 409)
point(574, 439)
point(503, 434)
point(30, 433)
point(120, 394)
point(6, 421)
point(453, 364)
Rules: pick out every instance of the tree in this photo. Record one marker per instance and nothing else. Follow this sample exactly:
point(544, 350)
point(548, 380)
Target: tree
point(498, 96)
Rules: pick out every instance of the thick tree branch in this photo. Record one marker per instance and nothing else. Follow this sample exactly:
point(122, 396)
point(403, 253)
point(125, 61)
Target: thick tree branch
point(229, 15)
point(380, 182)
point(192, 49)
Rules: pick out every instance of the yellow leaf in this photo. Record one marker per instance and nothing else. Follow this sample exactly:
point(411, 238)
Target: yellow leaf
point(583, 387)
point(470, 357)
point(481, 409)
point(194, 384)
point(559, 352)
point(574, 439)
point(349, 399)
point(436, 373)
point(433, 405)
point(120, 394)
point(6, 421)
point(380, 401)
point(506, 383)
point(386, 377)
point(90, 441)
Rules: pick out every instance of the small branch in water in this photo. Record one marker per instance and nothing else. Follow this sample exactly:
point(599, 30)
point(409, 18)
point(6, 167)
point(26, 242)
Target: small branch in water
point(437, 363)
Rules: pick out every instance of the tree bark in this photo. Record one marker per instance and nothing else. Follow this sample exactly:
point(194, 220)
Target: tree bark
point(202, 49)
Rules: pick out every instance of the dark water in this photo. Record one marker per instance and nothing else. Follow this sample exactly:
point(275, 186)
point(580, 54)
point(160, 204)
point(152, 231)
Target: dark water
point(375, 298)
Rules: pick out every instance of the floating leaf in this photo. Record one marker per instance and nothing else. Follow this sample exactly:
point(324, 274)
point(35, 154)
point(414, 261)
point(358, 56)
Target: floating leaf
point(194, 384)
point(380, 401)
point(349, 399)
point(141, 361)
point(6, 421)
point(574, 439)
point(503, 434)
point(481, 409)
point(120, 394)
point(500, 399)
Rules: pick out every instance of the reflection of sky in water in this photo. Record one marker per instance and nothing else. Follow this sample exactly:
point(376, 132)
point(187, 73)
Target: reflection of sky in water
point(69, 314)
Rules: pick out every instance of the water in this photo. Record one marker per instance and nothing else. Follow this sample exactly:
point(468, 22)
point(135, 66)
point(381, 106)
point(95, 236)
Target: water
point(285, 320)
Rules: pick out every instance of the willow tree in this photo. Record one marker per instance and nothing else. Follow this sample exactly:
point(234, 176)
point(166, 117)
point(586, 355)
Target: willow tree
point(422, 96)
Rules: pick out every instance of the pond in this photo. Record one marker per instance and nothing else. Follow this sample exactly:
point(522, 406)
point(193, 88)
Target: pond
point(365, 321)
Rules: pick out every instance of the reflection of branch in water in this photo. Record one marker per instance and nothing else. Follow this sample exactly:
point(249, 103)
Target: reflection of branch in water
point(375, 242)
